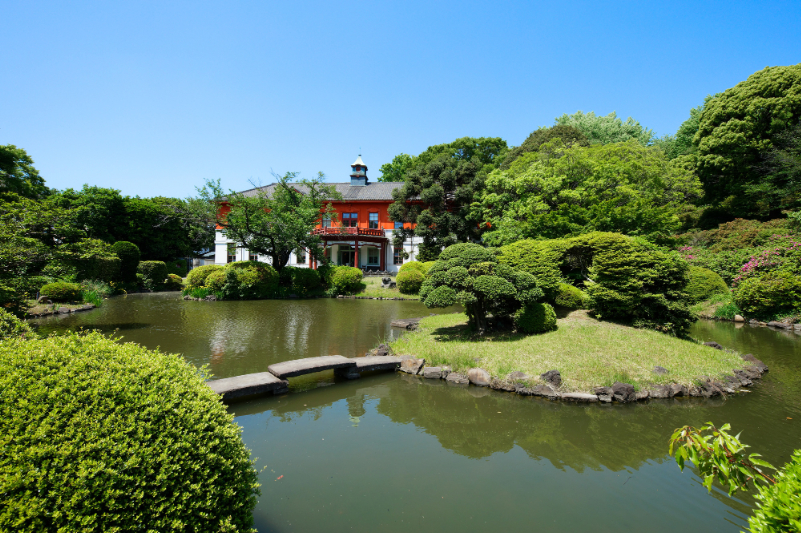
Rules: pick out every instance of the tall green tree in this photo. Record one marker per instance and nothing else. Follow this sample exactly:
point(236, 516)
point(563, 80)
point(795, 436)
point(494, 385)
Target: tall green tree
point(397, 168)
point(273, 220)
point(568, 134)
point(735, 128)
point(18, 175)
point(607, 129)
point(681, 144)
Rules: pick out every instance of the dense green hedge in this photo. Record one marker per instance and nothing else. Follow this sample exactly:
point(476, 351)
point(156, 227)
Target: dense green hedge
point(12, 327)
point(61, 291)
point(197, 276)
point(154, 274)
point(173, 283)
point(416, 265)
point(249, 280)
point(129, 256)
point(535, 318)
point(768, 295)
point(345, 279)
point(300, 281)
point(177, 267)
point(541, 259)
point(410, 280)
point(570, 297)
point(98, 435)
point(779, 506)
point(704, 284)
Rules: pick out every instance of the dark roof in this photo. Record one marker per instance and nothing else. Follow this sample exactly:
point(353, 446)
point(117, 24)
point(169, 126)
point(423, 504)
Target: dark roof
point(371, 191)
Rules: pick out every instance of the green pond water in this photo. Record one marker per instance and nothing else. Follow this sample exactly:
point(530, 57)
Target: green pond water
point(392, 452)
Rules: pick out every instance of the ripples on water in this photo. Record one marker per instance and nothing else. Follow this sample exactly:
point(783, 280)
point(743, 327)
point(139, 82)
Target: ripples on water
point(396, 453)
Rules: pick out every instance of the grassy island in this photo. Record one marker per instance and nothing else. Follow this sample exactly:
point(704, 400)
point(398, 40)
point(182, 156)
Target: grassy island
point(587, 352)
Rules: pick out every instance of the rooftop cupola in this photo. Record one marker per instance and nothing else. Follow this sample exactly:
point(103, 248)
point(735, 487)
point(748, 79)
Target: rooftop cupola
point(358, 175)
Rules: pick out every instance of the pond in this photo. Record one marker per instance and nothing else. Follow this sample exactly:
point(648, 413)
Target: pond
point(395, 453)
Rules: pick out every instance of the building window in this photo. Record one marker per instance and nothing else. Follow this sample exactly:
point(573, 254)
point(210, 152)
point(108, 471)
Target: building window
point(397, 255)
point(252, 256)
point(373, 221)
point(350, 220)
point(326, 222)
point(300, 256)
point(372, 256)
point(231, 252)
point(398, 225)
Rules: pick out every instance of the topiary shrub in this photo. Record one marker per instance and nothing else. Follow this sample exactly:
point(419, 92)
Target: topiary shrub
point(61, 291)
point(490, 292)
point(177, 267)
point(704, 284)
point(197, 276)
point(345, 279)
point(216, 280)
point(416, 265)
point(305, 280)
point(541, 259)
point(249, 280)
point(129, 256)
point(570, 297)
point(173, 283)
point(410, 281)
point(325, 270)
point(99, 435)
point(535, 318)
point(769, 294)
point(154, 274)
point(12, 327)
point(779, 508)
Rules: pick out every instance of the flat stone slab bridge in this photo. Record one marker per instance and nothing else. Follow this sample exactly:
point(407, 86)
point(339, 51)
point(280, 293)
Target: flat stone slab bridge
point(275, 380)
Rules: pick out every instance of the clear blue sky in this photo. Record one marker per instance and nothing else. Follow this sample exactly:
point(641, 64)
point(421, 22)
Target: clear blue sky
point(153, 98)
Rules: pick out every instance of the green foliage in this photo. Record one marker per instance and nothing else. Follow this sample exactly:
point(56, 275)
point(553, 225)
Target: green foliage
point(197, 276)
point(177, 267)
point(301, 281)
point(769, 294)
point(61, 291)
point(681, 144)
point(154, 274)
point(410, 281)
point(92, 297)
point(129, 256)
point(541, 259)
point(443, 182)
point(779, 506)
point(491, 292)
point(571, 297)
point(129, 436)
point(535, 318)
point(325, 269)
point(12, 327)
point(397, 168)
point(569, 135)
point(704, 284)
point(779, 187)
point(86, 259)
point(562, 191)
point(345, 279)
point(735, 128)
point(249, 280)
point(18, 175)
point(215, 280)
point(606, 129)
point(275, 220)
point(173, 283)
point(416, 265)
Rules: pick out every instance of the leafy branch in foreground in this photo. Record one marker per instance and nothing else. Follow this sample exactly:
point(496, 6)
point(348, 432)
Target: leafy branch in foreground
point(717, 454)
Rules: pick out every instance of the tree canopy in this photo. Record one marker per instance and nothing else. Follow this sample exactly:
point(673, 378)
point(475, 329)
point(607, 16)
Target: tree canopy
point(397, 168)
point(739, 125)
point(18, 175)
point(607, 129)
point(272, 221)
point(568, 134)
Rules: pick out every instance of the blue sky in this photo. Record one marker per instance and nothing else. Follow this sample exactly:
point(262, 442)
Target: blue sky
point(153, 98)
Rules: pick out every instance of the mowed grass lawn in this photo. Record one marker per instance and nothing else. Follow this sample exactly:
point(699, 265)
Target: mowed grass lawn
point(588, 353)
point(371, 286)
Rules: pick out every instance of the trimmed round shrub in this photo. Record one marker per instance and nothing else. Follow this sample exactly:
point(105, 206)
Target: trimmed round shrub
point(216, 280)
point(12, 327)
point(197, 276)
point(173, 283)
point(129, 256)
point(779, 508)
point(769, 294)
point(154, 273)
point(345, 279)
point(704, 284)
point(249, 280)
point(541, 259)
point(410, 281)
point(61, 291)
point(105, 436)
point(570, 297)
point(416, 265)
point(535, 318)
point(305, 280)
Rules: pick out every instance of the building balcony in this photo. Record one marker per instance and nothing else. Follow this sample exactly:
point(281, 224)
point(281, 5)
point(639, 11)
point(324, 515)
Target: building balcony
point(344, 231)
